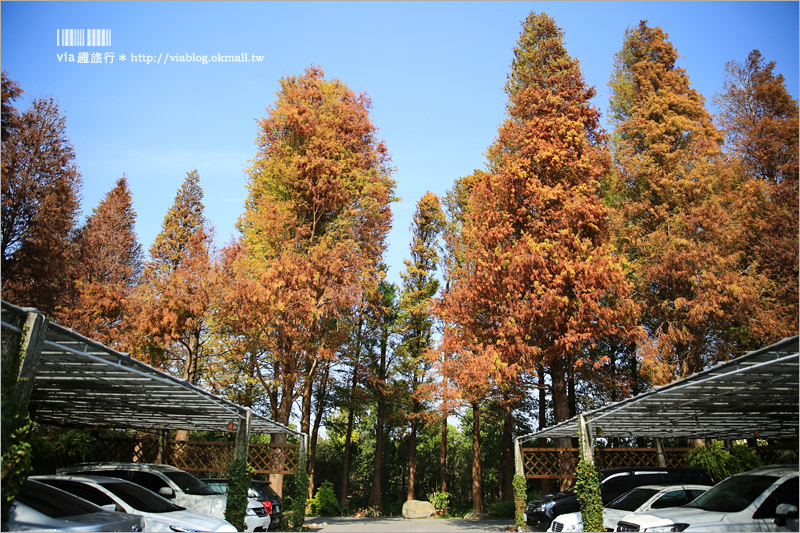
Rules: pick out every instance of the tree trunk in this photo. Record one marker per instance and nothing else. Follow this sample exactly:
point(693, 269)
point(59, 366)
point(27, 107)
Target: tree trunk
point(349, 437)
point(412, 456)
point(477, 482)
point(508, 453)
point(561, 413)
point(312, 444)
point(542, 397)
point(282, 417)
point(443, 453)
point(376, 492)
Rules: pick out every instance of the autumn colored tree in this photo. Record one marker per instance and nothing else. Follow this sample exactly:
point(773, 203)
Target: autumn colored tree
point(108, 262)
point(677, 211)
point(760, 120)
point(540, 284)
point(179, 287)
point(415, 321)
point(314, 230)
point(41, 202)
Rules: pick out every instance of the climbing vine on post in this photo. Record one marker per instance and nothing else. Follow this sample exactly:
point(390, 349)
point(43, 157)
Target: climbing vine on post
point(240, 475)
point(520, 495)
point(587, 485)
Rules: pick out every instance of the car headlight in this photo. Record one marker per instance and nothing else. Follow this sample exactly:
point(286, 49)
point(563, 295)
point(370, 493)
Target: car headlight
point(546, 508)
point(673, 527)
point(179, 528)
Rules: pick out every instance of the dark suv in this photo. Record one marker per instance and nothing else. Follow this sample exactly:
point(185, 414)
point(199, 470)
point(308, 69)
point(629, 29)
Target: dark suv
point(261, 492)
point(613, 482)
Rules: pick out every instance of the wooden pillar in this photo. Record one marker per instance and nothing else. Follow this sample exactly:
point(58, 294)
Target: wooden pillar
point(518, 465)
point(34, 333)
point(243, 437)
point(662, 457)
point(162, 446)
point(587, 439)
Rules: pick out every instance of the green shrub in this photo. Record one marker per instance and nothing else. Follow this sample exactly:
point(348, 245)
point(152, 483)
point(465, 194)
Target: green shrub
point(587, 487)
point(239, 475)
point(721, 463)
point(501, 509)
point(440, 501)
point(520, 501)
point(324, 502)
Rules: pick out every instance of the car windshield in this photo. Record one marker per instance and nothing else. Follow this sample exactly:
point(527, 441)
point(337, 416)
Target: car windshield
point(189, 484)
point(632, 500)
point(53, 502)
point(733, 494)
point(140, 498)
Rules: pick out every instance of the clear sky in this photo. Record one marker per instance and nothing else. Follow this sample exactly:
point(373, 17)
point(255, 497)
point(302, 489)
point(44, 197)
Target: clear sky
point(435, 72)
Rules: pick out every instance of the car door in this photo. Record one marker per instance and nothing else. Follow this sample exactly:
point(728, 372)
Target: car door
point(764, 517)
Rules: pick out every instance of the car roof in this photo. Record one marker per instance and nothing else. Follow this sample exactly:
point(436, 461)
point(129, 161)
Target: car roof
point(123, 466)
point(774, 470)
point(674, 486)
point(84, 479)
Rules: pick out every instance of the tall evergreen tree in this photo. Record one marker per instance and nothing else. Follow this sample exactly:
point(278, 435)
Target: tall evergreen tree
point(415, 318)
point(540, 284)
point(760, 119)
point(313, 233)
point(677, 215)
point(41, 202)
point(108, 262)
point(178, 292)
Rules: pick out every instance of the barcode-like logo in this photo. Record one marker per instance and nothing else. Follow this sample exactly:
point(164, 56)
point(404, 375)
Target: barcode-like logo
point(83, 37)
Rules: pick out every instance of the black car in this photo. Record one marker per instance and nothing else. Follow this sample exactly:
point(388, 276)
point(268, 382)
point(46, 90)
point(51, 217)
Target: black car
point(613, 482)
point(259, 491)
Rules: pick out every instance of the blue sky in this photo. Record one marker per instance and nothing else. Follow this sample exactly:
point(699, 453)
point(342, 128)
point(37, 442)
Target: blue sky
point(435, 73)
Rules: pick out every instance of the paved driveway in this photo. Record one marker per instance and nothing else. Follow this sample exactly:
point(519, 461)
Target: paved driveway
point(399, 524)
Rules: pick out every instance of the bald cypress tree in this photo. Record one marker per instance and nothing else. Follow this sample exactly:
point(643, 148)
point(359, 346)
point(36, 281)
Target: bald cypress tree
point(678, 218)
point(108, 262)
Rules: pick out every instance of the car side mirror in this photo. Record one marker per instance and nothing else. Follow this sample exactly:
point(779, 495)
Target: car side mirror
point(109, 507)
point(166, 492)
point(786, 514)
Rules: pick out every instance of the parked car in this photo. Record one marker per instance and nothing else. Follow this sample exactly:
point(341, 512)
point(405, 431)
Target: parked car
point(613, 482)
point(159, 514)
point(174, 484)
point(764, 499)
point(261, 492)
point(41, 507)
point(638, 500)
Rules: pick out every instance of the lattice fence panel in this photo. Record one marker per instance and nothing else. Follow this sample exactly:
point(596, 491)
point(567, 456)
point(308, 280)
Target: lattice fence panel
point(274, 458)
point(197, 456)
point(547, 462)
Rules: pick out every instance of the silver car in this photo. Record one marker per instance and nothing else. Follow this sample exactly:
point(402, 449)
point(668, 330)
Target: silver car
point(39, 506)
point(159, 514)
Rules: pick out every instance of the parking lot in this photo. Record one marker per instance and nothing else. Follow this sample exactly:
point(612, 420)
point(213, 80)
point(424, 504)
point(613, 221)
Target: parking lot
point(399, 524)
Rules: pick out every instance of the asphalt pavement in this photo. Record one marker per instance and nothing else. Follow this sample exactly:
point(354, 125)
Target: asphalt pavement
point(328, 524)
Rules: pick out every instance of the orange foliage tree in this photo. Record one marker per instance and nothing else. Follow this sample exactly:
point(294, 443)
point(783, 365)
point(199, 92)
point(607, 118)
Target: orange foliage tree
point(760, 119)
point(679, 224)
point(540, 283)
point(312, 235)
point(107, 266)
point(179, 287)
point(41, 202)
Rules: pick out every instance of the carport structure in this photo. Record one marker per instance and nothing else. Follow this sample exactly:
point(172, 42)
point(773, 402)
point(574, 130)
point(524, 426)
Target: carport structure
point(68, 379)
point(752, 395)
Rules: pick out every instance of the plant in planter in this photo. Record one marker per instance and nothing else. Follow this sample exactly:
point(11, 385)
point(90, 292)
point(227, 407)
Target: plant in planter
point(440, 501)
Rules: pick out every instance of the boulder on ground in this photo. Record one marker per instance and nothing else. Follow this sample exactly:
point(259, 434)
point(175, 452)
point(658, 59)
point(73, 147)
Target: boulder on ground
point(417, 509)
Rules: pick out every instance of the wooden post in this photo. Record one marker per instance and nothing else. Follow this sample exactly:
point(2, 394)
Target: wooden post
point(34, 333)
point(587, 440)
point(243, 437)
point(162, 447)
point(662, 457)
point(518, 465)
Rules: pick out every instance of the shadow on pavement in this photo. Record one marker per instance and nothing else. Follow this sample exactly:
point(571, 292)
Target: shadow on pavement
point(399, 524)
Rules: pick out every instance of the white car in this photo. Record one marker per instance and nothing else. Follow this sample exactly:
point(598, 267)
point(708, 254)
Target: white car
point(764, 499)
point(114, 494)
point(640, 499)
point(174, 484)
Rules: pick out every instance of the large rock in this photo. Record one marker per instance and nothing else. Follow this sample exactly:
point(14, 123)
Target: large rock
point(417, 509)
